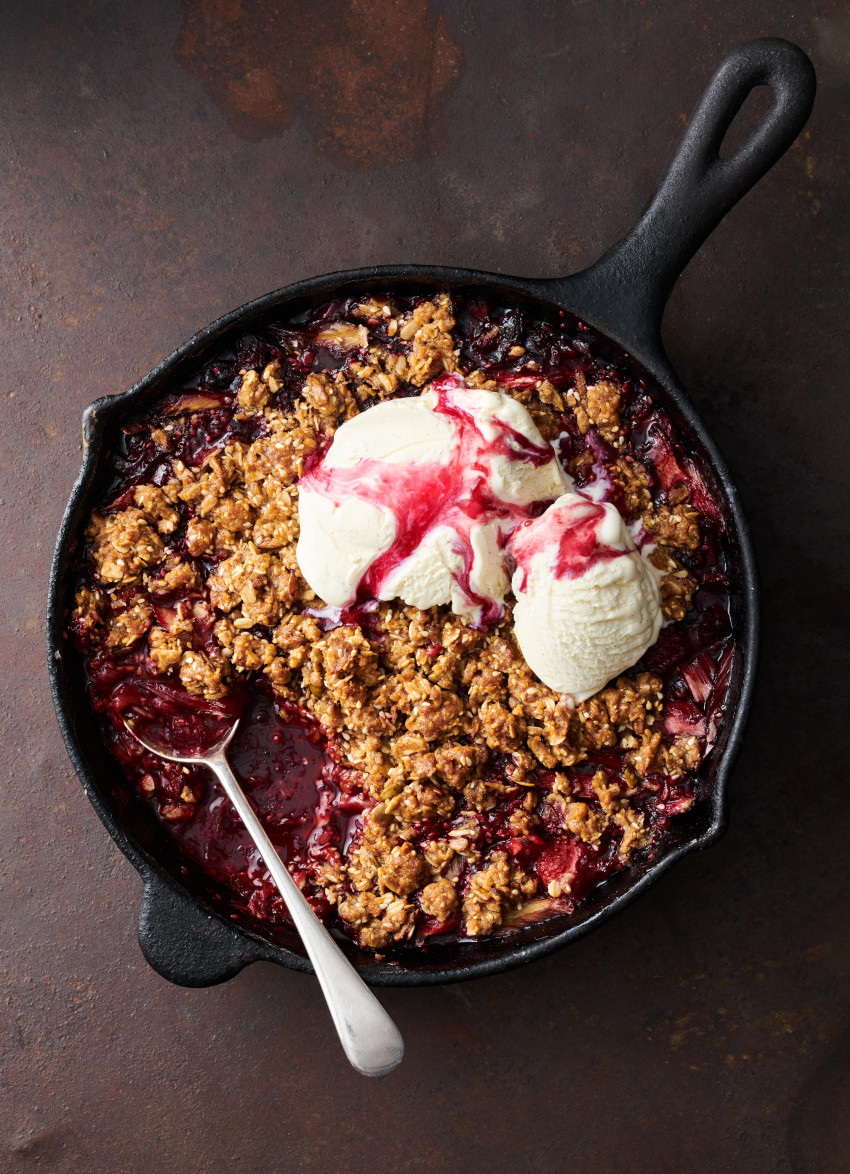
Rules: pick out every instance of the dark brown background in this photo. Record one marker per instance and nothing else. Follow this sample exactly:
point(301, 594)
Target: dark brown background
point(162, 165)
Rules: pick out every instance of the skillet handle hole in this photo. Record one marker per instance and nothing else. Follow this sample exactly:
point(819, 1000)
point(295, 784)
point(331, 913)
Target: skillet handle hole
point(753, 109)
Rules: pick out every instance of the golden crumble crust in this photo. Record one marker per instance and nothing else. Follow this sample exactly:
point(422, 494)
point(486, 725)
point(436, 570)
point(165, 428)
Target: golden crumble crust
point(124, 545)
point(633, 480)
point(203, 675)
point(492, 892)
point(673, 525)
point(166, 648)
point(128, 625)
point(676, 587)
point(599, 404)
point(439, 899)
point(438, 723)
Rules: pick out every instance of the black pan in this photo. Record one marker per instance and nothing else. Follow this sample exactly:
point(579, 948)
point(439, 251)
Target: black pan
point(623, 295)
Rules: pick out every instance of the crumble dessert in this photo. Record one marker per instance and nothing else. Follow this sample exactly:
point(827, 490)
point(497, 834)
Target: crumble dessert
point(417, 775)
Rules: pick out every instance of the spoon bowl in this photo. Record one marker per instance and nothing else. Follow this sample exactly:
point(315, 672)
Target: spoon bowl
point(204, 757)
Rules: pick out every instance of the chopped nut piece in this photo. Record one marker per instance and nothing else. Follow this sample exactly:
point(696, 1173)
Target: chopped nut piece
point(344, 335)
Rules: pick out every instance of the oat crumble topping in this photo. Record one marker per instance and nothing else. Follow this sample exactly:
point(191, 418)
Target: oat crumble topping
point(469, 768)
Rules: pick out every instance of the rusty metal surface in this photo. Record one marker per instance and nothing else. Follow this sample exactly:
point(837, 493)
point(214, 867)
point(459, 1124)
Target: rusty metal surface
point(162, 164)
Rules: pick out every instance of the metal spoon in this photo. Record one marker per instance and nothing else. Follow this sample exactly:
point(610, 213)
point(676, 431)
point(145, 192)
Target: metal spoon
point(369, 1037)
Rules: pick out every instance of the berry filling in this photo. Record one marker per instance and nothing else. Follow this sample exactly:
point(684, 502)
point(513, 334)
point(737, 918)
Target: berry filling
point(420, 783)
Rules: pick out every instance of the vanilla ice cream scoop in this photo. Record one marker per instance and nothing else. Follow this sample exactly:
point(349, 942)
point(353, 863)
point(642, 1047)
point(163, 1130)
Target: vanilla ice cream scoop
point(416, 497)
point(587, 604)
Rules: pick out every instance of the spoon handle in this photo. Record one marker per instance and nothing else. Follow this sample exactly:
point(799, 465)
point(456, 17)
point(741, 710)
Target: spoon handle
point(370, 1039)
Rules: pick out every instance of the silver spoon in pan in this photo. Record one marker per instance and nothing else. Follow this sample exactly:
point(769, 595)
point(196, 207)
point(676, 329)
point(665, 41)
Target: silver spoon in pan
point(370, 1039)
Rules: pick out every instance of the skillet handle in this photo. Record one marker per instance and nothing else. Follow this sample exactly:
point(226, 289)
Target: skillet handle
point(625, 291)
point(185, 945)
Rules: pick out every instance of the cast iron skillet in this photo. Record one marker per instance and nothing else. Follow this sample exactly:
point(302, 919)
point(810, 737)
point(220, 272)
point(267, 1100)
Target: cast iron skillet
point(623, 295)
